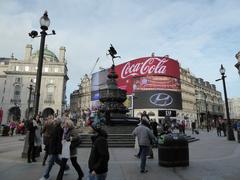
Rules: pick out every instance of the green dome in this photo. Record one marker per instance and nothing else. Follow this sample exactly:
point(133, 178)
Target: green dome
point(48, 55)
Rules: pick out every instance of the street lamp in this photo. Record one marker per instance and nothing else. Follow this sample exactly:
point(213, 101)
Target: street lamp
point(230, 134)
point(206, 110)
point(44, 24)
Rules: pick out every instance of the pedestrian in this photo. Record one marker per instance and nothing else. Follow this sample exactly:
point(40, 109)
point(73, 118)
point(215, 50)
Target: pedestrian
point(145, 136)
point(38, 135)
point(31, 139)
point(145, 116)
point(99, 156)
point(193, 124)
point(54, 148)
point(21, 127)
point(47, 128)
point(70, 134)
point(218, 127)
point(12, 126)
point(154, 125)
point(183, 126)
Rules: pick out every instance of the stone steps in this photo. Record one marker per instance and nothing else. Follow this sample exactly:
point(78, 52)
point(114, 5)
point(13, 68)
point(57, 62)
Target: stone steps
point(114, 140)
point(120, 140)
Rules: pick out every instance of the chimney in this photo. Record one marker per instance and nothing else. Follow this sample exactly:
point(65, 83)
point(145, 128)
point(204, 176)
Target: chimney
point(62, 51)
point(28, 52)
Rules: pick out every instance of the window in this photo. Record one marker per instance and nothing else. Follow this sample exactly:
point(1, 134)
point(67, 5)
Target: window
point(50, 92)
point(55, 70)
point(46, 69)
point(17, 92)
point(26, 68)
point(17, 68)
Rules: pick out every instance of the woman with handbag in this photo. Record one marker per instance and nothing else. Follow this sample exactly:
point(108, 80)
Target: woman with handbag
point(70, 134)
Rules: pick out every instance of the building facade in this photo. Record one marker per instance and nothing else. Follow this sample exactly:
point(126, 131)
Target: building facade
point(16, 76)
point(75, 101)
point(85, 92)
point(209, 103)
point(188, 112)
point(80, 99)
point(234, 108)
point(161, 87)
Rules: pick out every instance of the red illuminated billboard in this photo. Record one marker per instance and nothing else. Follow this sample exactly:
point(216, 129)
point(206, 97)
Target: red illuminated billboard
point(143, 67)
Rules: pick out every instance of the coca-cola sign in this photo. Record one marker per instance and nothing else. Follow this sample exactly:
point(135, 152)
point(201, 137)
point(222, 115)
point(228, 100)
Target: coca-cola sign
point(149, 66)
point(146, 66)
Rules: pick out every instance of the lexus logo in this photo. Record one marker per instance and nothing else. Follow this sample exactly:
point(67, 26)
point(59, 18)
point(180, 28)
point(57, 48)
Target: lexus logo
point(161, 99)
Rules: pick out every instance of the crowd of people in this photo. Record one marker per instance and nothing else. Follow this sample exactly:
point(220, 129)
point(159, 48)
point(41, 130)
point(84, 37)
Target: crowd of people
point(60, 140)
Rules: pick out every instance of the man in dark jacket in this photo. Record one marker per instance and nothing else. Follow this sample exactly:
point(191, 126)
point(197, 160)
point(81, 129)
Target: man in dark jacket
point(54, 148)
point(31, 148)
point(99, 156)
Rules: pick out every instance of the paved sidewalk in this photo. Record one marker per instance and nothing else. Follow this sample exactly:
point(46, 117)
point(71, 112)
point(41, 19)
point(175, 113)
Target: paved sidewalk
point(211, 158)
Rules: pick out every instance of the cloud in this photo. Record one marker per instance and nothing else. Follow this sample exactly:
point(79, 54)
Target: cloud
point(200, 34)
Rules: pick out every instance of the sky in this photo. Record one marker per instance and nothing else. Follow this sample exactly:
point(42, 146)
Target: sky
point(201, 35)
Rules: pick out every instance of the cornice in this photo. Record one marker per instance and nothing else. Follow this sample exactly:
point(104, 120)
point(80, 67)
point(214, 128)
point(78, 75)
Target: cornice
point(33, 73)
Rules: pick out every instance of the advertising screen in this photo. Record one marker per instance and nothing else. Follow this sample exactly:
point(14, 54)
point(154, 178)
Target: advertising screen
point(158, 99)
point(143, 67)
point(144, 76)
point(156, 83)
point(98, 81)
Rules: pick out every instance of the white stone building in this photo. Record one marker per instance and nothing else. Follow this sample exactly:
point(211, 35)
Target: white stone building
point(17, 75)
point(234, 108)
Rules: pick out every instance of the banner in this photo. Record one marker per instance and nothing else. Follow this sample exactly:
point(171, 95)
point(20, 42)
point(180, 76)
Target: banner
point(143, 67)
point(156, 83)
point(169, 113)
point(147, 73)
point(158, 99)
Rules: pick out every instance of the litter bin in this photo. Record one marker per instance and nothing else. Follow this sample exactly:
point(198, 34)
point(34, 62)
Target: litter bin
point(5, 130)
point(173, 151)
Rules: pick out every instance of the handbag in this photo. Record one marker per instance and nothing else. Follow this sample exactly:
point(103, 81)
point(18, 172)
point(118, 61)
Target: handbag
point(75, 143)
point(66, 149)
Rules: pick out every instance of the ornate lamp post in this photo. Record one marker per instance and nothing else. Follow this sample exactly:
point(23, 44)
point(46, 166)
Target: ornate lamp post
point(206, 110)
point(230, 134)
point(44, 24)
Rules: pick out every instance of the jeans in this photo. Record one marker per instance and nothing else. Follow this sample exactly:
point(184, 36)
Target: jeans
point(75, 165)
point(102, 176)
point(143, 156)
point(51, 159)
